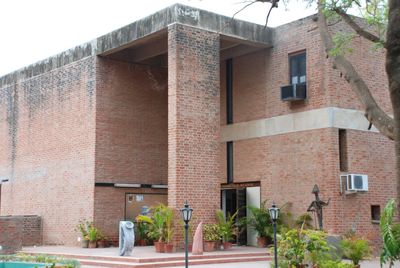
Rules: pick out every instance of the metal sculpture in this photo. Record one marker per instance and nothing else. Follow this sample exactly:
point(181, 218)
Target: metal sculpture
point(317, 205)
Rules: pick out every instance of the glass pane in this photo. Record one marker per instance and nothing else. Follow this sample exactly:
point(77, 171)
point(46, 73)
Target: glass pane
point(302, 79)
point(294, 80)
point(302, 65)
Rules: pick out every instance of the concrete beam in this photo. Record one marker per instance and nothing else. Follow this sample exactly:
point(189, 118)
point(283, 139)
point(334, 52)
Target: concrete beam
point(178, 13)
point(141, 31)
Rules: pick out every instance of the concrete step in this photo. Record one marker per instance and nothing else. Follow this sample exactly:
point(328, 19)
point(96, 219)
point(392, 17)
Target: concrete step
point(174, 263)
point(165, 260)
point(167, 257)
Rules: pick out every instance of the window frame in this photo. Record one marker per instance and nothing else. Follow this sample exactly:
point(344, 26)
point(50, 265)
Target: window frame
point(296, 56)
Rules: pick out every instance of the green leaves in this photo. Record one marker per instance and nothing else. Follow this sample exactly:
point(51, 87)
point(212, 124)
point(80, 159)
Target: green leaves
point(390, 233)
point(226, 225)
point(355, 249)
point(342, 44)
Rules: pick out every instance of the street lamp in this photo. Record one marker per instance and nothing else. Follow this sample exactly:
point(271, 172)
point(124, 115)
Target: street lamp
point(274, 214)
point(186, 216)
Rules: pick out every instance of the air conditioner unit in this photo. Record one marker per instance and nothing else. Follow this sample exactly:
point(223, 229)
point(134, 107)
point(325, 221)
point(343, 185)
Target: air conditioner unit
point(354, 182)
point(294, 92)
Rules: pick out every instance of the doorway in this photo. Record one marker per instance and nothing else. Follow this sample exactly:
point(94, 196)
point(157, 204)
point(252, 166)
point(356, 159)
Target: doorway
point(238, 198)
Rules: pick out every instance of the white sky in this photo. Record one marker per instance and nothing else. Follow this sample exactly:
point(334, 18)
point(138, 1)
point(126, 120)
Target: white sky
point(32, 30)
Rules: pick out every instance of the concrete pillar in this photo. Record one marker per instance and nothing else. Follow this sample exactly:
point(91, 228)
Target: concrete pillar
point(193, 123)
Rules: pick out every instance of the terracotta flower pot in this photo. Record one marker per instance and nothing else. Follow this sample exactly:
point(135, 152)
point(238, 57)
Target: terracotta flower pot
point(263, 242)
point(141, 242)
point(227, 245)
point(92, 244)
point(159, 246)
point(169, 248)
point(209, 246)
point(101, 244)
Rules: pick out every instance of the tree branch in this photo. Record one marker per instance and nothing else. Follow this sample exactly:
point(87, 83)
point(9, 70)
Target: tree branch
point(374, 114)
point(360, 31)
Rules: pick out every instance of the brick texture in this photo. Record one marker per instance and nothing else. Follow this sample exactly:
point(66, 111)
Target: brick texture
point(131, 123)
point(109, 208)
point(289, 165)
point(193, 121)
point(18, 231)
point(47, 125)
point(10, 235)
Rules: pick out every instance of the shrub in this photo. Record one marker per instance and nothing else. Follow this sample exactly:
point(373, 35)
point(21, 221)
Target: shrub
point(355, 249)
point(211, 232)
point(300, 246)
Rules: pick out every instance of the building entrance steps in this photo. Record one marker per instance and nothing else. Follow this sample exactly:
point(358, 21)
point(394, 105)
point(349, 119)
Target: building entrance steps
point(147, 257)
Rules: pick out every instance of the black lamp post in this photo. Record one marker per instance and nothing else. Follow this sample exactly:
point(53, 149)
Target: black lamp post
point(186, 216)
point(274, 214)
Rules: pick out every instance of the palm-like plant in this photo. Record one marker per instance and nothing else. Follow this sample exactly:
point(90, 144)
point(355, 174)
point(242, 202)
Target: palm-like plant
point(157, 223)
point(390, 235)
point(226, 225)
point(260, 220)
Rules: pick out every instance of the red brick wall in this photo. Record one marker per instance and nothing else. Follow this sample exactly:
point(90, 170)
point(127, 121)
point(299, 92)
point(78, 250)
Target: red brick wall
point(371, 154)
point(10, 235)
point(109, 208)
point(47, 152)
point(131, 135)
point(289, 165)
point(18, 231)
point(193, 120)
point(257, 77)
point(32, 230)
point(131, 123)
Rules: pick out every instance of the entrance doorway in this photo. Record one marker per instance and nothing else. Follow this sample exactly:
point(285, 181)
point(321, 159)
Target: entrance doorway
point(237, 197)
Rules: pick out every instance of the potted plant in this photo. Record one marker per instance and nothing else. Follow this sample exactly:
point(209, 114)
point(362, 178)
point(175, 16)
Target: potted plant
point(83, 227)
point(157, 226)
point(210, 236)
point(141, 231)
point(101, 240)
point(92, 236)
point(355, 249)
point(260, 221)
point(226, 227)
point(169, 229)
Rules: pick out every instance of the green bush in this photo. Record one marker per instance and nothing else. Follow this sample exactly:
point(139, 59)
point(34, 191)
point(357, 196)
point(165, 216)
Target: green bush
point(211, 232)
point(226, 226)
point(299, 247)
point(160, 224)
point(355, 249)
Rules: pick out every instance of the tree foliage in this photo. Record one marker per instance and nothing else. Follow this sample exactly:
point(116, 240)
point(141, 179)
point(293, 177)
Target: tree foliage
point(390, 235)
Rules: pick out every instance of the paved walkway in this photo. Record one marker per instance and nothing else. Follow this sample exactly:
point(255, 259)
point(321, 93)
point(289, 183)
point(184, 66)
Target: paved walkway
point(138, 252)
point(148, 252)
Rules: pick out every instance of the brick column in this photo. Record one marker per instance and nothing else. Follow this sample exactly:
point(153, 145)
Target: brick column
point(193, 122)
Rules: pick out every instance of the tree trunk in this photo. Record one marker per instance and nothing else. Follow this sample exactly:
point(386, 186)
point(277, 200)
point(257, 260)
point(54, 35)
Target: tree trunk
point(393, 73)
point(386, 125)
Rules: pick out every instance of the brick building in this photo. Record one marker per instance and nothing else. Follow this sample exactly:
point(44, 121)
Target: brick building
point(187, 105)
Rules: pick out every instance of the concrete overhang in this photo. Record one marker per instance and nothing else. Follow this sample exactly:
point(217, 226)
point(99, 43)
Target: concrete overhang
point(154, 27)
point(146, 40)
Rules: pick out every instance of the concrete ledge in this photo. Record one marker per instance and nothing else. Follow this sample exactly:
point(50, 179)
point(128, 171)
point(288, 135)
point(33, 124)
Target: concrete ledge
point(309, 120)
point(150, 25)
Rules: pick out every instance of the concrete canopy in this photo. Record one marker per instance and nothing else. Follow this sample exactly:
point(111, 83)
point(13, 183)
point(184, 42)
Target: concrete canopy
point(146, 40)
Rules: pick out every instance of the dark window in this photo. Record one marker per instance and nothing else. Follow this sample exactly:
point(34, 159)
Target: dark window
point(375, 212)
point(343, 162)
point(297, 64)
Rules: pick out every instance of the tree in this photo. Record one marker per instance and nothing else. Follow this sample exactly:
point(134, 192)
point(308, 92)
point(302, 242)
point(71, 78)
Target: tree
point(381, 25)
